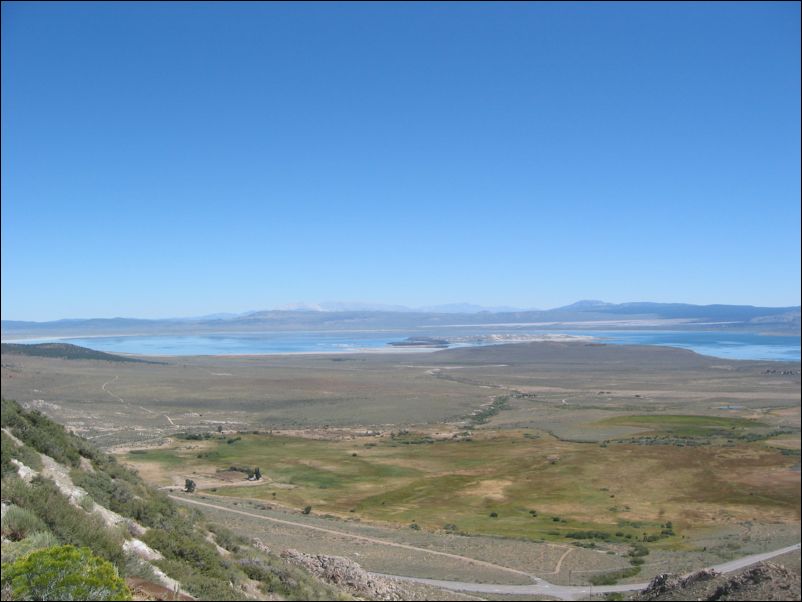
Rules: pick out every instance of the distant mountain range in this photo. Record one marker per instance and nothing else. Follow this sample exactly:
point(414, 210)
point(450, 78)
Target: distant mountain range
point(448, 308)
point(336, 316)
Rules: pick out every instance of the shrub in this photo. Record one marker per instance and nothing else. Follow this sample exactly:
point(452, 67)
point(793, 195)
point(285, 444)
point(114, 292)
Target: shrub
point(36, 541)
point(589, 535)
point(289, 582)
point(25, 454)
point(200, 585)
point(70, 524)
point(41, 433)
point(226, 538)
point(63, 573)
point(613, 578)
point(125, 494)
point(18, 523)
point(414, 526)
point(494, 515)
point(188, 548)
point(638, 550)
point(6, 454)
point(87, 503)
point(307, 510)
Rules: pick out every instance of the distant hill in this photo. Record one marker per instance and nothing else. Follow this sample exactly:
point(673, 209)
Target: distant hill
point(583, 314)
point(66, 351)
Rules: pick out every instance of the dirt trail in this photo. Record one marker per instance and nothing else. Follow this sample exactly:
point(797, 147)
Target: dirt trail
point(557, 568)
point(105, 390)
point(122, 401)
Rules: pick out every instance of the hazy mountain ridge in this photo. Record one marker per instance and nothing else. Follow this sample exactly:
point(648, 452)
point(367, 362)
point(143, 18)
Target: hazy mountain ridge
point(583, 314)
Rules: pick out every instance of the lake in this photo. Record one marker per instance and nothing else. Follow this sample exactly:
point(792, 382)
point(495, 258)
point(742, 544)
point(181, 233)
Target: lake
point(717, 344)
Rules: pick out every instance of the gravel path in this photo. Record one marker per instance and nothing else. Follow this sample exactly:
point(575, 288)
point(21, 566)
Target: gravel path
point(544, 588)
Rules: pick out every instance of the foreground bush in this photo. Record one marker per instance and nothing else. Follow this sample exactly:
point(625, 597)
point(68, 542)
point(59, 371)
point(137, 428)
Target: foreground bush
point(18, 523)
point(63, 573)
point(69, 524)
point(14, 550)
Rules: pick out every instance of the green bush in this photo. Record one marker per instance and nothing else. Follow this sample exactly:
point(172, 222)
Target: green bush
point(25, 454)
point(12, 550)
point(63, 573)
point(226, 538)
point(41, 433)
point(125, 494)
point(638, 549)
point(18, 523)
point(70, 524)
point(200, 585)
point(289, 582)
point(589, 535)
point(613, 578)
point(6, 453)
point(192, 549)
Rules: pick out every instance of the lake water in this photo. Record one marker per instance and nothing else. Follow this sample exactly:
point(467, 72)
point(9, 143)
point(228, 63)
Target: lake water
point(725, 345)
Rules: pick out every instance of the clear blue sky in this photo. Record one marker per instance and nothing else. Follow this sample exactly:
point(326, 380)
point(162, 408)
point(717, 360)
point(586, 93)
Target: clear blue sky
point(180, 159)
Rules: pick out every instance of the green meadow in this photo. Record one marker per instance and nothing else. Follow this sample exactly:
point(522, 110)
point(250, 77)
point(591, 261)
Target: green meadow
point(688, 426)
point(505, 483)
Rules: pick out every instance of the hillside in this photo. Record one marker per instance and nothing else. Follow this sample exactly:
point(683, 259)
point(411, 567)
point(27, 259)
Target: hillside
point(66, 351)
point(58, 489)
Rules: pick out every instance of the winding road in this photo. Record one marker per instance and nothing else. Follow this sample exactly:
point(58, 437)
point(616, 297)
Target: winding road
point(540, 587)
point(565, 592)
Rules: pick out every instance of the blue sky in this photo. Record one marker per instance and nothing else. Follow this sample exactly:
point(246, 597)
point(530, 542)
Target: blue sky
point(180, 159)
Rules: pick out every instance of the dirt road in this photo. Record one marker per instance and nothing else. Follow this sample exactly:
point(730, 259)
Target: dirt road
point(540, 587)
point(563, 592)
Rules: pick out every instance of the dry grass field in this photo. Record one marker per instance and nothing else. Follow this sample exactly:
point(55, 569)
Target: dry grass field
point(559, 387)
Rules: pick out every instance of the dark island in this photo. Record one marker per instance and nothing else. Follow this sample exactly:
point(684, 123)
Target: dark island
point(421, 342)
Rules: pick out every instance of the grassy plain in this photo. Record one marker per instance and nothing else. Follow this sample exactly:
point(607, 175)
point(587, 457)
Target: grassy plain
point(539, 488)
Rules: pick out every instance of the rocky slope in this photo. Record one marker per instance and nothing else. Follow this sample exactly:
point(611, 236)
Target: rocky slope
point(764, 581)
